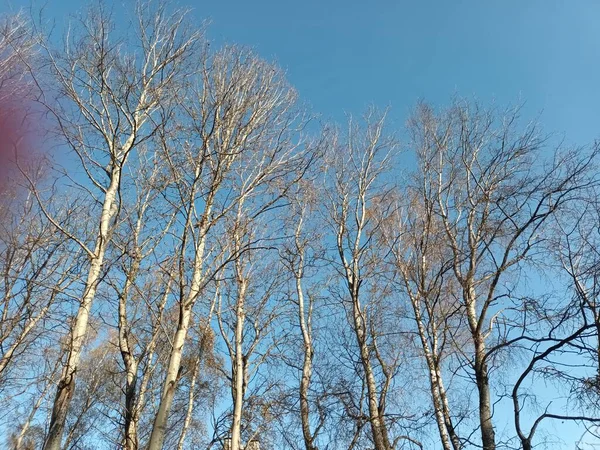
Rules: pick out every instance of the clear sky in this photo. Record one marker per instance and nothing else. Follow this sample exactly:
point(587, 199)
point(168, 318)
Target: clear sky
point(343, 55)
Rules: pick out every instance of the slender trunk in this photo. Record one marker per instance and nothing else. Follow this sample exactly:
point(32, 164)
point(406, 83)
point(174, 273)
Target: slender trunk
point(131, 417)
point(488, 438)
point(134, 403)
point(448, 435)
point(131, 365)
point(304, 404)
point(159, 428)
point(199, 359)
point(456, 444)
point(27, 424)
point(306, 367)
point(185, 314)
point(434, 381)
point(376, 412)
point(190, 406)
point(7, 356)
point(66, 383)
point(378, 428)
point(596, 314)
point(239, 370)
point(150, 351)
point(160, 421)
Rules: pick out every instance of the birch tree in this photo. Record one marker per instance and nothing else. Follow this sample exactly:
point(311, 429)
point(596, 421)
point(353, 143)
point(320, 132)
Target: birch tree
point(246, 314)
point(141, 278)
point(357, 183)
point(423, 265)
point(298, 256)
point(241, 143)
point(109, 87)
point(492, 205)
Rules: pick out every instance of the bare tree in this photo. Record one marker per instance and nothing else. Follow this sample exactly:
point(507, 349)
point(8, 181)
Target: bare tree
point(246, 315)
point(423, 266)
point(198, 253)
point(357, 185)
point(298, 256)
point(140, 276)
point(110, 88)
point(242, 119)
point(492, 206)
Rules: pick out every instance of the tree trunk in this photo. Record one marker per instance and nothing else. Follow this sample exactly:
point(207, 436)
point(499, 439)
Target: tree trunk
point(159, 428)
point(456, 444)
point(185, 314)
point(7, 356)
point(306, 368)
point(131, 365)
point(131, 419)
point(378, 428)
point(488, 438)
point(190, 407)
point(239, 370)
point(66, 383)
point(434, 381)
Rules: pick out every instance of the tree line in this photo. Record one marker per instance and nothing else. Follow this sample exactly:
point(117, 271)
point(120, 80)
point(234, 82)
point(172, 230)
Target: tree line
point(196, 260)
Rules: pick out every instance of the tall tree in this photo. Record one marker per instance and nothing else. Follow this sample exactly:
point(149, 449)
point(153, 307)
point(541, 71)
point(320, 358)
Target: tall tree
point(247, 314)
point(109, 89)
point(422, 266)
point(299, 256)
point(477, 175)
point(140, 276)
point(357, 177)
point(242, 144)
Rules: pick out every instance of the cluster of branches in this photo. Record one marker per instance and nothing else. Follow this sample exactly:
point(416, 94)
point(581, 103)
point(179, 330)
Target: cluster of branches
point(204, 267)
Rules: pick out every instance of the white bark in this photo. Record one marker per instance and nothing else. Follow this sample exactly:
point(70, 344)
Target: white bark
point(239, 375)
point(242, 117)
point(66, 383)
point(356, 176)
point(103, 132)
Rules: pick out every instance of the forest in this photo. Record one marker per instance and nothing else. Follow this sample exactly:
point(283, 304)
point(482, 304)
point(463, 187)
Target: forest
point(192, 258)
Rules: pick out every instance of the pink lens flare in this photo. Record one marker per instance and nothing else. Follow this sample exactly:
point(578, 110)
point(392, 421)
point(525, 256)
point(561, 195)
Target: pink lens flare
point(20, 139)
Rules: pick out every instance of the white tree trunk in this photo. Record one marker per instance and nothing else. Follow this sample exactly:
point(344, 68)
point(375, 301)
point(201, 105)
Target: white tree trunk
point(306, 366)
point(190, 407)
point(185, 314)
point(239, 370)
point(66, 383)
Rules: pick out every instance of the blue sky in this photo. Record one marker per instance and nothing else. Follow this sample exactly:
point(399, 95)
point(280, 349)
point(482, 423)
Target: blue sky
point(345, 55)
